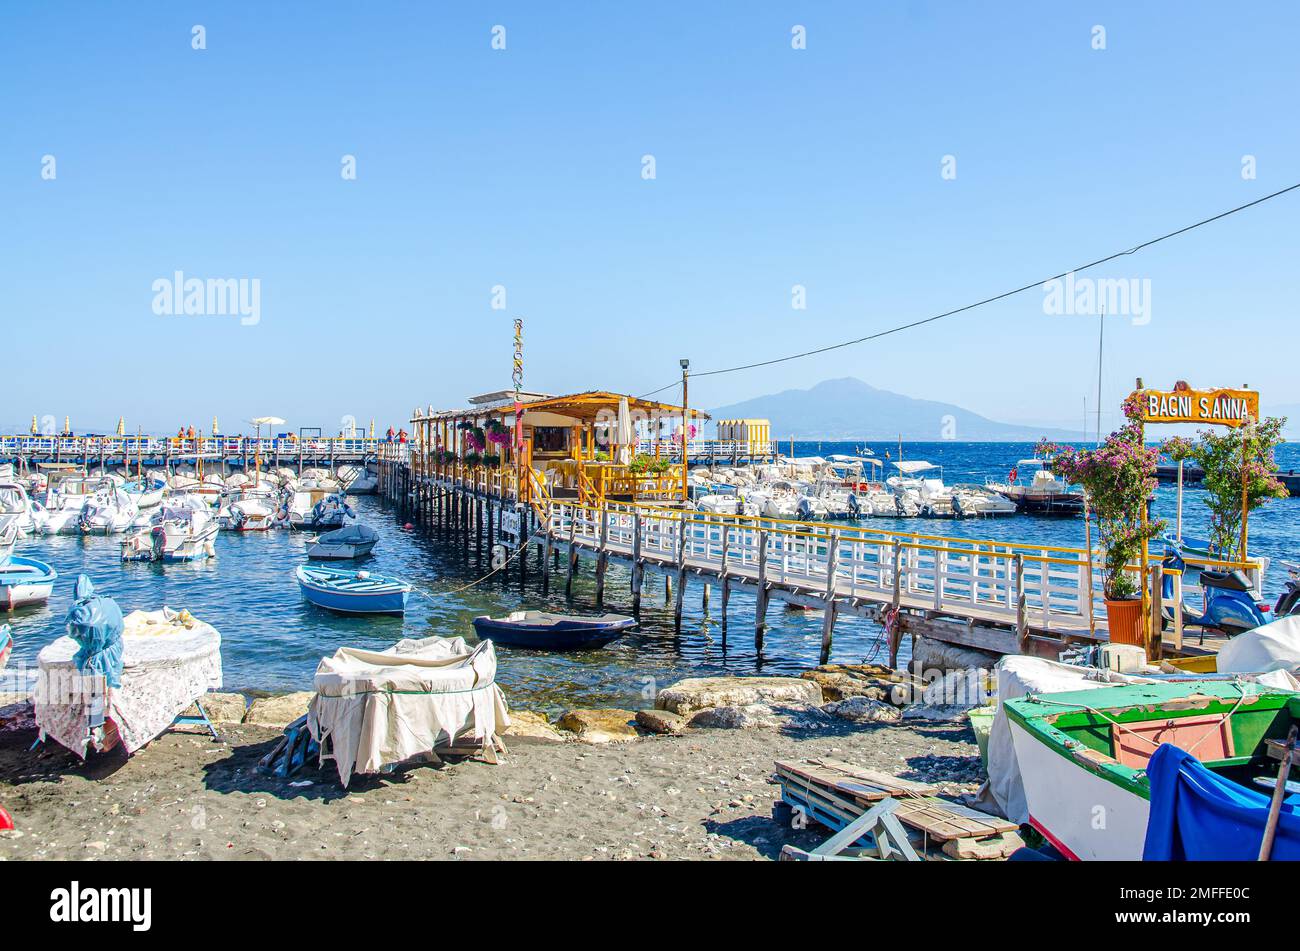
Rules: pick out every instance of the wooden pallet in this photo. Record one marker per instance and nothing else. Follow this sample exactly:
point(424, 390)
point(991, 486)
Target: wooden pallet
point(836, 793)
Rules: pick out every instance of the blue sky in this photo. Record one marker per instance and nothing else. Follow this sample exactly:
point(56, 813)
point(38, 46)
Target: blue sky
point(775, 167)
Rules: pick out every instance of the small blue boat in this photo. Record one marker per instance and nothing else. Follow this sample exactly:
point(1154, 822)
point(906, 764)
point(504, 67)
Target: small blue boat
point(25, 581)
point(554, 632)
point(352, 592)
point(6, 643)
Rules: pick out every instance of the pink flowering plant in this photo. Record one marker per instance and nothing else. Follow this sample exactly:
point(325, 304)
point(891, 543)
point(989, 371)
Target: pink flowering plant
point(1232, 459)
point(1119, 477)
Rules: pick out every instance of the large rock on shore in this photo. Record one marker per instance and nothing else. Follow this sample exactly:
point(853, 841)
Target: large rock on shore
point(600, 726)
point(750, 716)
point(221, 707)
point(930, 654)
point(279, 711)
point(700, 693)
point(526, 723)
point(661, 721)
point(864, 710)
point(841, 681)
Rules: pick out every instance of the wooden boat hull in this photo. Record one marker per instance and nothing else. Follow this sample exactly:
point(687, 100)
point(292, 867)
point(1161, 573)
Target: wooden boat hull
point(351, 595)
point(1083, 755)
point(579, 634)
point(24, 582)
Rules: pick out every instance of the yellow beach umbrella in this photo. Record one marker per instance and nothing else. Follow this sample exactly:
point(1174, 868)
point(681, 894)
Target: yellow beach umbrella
point(372, 427)
point(67, 425)
point(216, 430)
point(35, 428)
point(121, 425)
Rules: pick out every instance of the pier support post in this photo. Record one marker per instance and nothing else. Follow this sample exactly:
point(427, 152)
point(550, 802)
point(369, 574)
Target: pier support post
point(573, 553)
point(546, 556)
point(760, 609)
point(704, 597)
point(681, 572)
point(638, 568)
point(602, 557)
point(828, 618)
point(726, 576)
point(1022, 602)
point(895, 631)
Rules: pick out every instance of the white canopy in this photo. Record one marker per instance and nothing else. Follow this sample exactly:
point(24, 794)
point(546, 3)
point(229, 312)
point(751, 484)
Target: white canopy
point(913, 466)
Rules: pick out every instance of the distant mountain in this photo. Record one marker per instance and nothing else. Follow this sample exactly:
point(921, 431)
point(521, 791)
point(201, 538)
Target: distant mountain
point(851, 409)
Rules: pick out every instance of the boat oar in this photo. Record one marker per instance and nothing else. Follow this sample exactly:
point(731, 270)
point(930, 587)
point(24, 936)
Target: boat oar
point(1279, 792)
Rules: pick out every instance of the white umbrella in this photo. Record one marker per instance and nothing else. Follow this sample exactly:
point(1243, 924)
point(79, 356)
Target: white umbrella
point(623, 432)
point(259, 422)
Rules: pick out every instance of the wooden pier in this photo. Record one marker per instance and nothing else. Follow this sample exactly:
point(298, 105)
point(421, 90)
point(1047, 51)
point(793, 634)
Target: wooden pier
point(166, 451)
point(994, 596)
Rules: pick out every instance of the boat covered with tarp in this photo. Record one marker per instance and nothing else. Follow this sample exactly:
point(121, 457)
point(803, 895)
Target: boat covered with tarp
point(375, 710)
point(351, 541)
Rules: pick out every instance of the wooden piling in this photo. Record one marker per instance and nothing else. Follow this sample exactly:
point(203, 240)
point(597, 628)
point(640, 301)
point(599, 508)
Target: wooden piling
point(760, 608)
point(638, 567)
point(681, 573)
point(828, 617)
point(602, 558)
point(573, 554)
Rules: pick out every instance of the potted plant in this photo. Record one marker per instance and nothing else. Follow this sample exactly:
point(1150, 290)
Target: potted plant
point(1236, 460)
point(1118, 477)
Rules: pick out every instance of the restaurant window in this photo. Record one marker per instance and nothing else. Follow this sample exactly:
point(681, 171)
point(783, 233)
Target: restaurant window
point(550, 439)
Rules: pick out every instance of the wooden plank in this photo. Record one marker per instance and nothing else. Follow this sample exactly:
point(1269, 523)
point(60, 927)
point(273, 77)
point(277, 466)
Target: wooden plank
point(943, 820)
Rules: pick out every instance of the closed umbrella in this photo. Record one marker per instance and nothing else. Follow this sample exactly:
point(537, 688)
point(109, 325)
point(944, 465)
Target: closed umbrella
point(623, 433)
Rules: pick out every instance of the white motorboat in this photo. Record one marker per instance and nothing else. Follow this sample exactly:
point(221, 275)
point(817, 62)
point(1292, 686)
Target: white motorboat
point(973, 501)
point(352, 541)
point(248, 510)
point(28, 514)
point(1045, 493)
point(723, 504)
point(107, 511)
point(64, 500)
point(180, 529)
point(919, 491)
point(146, 491)
point(9, 533)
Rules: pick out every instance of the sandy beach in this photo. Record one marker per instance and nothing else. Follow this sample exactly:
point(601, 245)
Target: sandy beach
point(705, 795)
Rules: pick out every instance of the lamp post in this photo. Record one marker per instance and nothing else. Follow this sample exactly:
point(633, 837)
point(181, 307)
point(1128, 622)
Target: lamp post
point(686, 421)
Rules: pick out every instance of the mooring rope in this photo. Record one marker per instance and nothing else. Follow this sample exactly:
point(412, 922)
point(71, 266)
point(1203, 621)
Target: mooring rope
point(431, 595)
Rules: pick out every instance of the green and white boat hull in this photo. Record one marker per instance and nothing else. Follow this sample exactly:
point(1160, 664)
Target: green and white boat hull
point(1081, 755)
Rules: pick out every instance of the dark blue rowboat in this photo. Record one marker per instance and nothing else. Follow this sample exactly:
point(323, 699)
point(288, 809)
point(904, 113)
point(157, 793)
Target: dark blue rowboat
point(352, 592)
point(553, 632)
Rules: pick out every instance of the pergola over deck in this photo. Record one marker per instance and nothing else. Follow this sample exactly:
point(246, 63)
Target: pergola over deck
point(569, 444)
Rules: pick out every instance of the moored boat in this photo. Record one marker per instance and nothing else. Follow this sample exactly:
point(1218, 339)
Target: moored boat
point(544, 630)
point(1083, 756)
point(25, 581)
point(353, 541)
point(352, 592)
point(6, 645)
point(1045, 493)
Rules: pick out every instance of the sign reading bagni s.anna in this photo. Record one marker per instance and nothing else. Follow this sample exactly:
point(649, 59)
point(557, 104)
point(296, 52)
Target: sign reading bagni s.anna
point(1212, 407)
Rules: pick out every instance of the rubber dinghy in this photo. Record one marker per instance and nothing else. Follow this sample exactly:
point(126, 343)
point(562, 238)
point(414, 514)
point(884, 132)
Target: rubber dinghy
point(352, 592)
point(555, 632)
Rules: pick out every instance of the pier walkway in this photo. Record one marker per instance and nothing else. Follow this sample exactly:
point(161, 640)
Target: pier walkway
point(168, 450)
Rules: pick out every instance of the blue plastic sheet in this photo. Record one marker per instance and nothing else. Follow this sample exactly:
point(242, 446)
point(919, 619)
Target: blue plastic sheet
point(95, 623)
point(1198, 815)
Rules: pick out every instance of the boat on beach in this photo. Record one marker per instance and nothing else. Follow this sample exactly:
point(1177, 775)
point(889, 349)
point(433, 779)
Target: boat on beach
point(24, 582)
point(352, 592)
point(543, 630)
point(1084, 756)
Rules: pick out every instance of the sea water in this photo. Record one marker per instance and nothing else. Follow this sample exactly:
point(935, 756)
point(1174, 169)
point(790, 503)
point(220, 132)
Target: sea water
point(272, 639)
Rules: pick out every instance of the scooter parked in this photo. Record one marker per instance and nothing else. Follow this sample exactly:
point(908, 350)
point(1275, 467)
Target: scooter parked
point(1288, 602)
point(1229, 603)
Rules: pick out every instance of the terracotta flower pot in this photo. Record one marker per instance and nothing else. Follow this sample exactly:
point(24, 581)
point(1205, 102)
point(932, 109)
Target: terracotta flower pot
point(1124, 618)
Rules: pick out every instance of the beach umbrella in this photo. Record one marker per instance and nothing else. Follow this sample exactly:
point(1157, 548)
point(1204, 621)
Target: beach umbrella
point(372, 427)
point(35, 428)
point(623, 432)
point(216, 430)
point(121, 425)
point(67, 425)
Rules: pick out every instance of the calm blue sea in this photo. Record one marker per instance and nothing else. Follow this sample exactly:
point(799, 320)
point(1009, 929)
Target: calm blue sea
point(272, 640)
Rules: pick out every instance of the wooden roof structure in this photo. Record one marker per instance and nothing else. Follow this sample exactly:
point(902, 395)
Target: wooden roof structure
point(585, 407)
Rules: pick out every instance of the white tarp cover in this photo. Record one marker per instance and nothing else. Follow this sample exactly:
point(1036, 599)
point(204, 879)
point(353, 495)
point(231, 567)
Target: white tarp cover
point(382, 707)
point(1019, 676)
point(169, 660)
point(1273, 646)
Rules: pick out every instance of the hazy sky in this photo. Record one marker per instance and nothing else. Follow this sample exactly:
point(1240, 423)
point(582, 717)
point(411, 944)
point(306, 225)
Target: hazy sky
point(829, 167)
